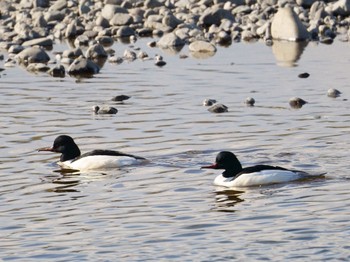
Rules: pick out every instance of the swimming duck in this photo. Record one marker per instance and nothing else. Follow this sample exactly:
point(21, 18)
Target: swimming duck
point(71, 157)
point(237, 176)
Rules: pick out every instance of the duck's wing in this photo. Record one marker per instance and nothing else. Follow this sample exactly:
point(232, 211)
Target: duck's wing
point(101, 152)
point(258, 168)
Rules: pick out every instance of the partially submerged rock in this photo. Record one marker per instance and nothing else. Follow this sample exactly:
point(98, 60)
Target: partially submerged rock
point(82, 66)
point(218, 108)
point(33, 54)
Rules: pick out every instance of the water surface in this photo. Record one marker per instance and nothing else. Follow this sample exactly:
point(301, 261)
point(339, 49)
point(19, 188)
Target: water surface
point(169, 209)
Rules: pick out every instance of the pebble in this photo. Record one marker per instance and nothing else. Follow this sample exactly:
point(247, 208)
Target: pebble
point(296, 102)
point(332, 92)
point(208, 102)
point(249, 101)
point(218, 108)
point(104, 110)
point(120, 98)
point(57, 71)
point(304, 75)
point(159, 61)
point(82, 66)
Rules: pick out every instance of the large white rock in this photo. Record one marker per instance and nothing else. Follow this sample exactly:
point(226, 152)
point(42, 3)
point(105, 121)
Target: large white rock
point(286, 25)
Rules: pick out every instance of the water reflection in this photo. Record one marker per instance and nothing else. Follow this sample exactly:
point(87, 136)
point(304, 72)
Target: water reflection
point(227, 198)
point(288, 53)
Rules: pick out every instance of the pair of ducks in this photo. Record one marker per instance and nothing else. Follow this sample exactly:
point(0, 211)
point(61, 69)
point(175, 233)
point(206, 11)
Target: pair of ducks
point(234, 174)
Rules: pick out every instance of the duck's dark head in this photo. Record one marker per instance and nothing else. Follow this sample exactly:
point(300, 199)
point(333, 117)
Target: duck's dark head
point(228, 161)
point(66, 146)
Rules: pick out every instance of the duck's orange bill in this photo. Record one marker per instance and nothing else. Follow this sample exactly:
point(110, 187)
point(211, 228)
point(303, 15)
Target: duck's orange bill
point(213, 166)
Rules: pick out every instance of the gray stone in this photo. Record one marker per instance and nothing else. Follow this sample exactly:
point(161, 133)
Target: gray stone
point(71, 30)
point(72, 53)
point(83, 67)
point(109, 11)
point(15, 49)
point(58, 5)
point(121, 19)
point(57, 71)
point(38, 67)
point(125, 31)
point(152, 4)
point(341, 7)
point(45, 41)
point(170, 40)
point(96, 51)
point(214, 16)
point(41, 3)
point(218, 108)
point(33, 54)
point(287, 26)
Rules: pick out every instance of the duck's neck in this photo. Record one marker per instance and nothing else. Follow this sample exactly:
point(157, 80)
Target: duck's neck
point(232, 172)
point(70, 154)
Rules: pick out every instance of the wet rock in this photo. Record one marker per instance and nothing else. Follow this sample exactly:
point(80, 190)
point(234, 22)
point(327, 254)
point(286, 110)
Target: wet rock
point(72, 53)
point(304, 75)
point(105, 110)
point(57, 71)
point(33, 54)
point(208, 102)
point(218, 108)
point(120, 98)
point(159, 61)
point(129, 55)
point(332, 92)
point(115, 60)
point(286, 25)
point(296, 102)
point(202, 47)
point(96, 51)
point(105, 40)
point(37, 67)
point(82, 66)
point(81, 40)
point(249, 101)
point(15, 49)
point(142, 55)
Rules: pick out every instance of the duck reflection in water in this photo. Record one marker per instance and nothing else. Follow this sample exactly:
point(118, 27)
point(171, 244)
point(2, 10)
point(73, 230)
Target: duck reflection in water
point(227, 198)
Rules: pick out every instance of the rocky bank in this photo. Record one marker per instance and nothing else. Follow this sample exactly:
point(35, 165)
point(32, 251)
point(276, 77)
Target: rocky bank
point(28, 27)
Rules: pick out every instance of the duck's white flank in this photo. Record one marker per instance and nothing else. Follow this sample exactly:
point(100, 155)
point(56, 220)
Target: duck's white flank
point(100, 162)
point(264, 177)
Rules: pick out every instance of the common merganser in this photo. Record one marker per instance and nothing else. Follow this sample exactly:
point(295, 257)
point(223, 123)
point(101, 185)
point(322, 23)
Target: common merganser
point(236, 176)
point(94, 160)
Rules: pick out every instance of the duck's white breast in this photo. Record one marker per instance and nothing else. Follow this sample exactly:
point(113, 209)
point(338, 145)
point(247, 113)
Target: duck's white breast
point(264, 177)
point(100, 162)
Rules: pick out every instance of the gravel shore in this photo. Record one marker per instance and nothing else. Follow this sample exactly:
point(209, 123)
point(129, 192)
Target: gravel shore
point(199, 25)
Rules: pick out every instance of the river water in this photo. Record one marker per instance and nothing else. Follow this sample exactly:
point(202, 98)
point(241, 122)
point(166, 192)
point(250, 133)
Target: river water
point(169, 209)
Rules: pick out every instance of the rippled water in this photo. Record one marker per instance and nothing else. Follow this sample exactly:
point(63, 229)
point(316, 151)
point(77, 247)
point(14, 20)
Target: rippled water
point(169, 209)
